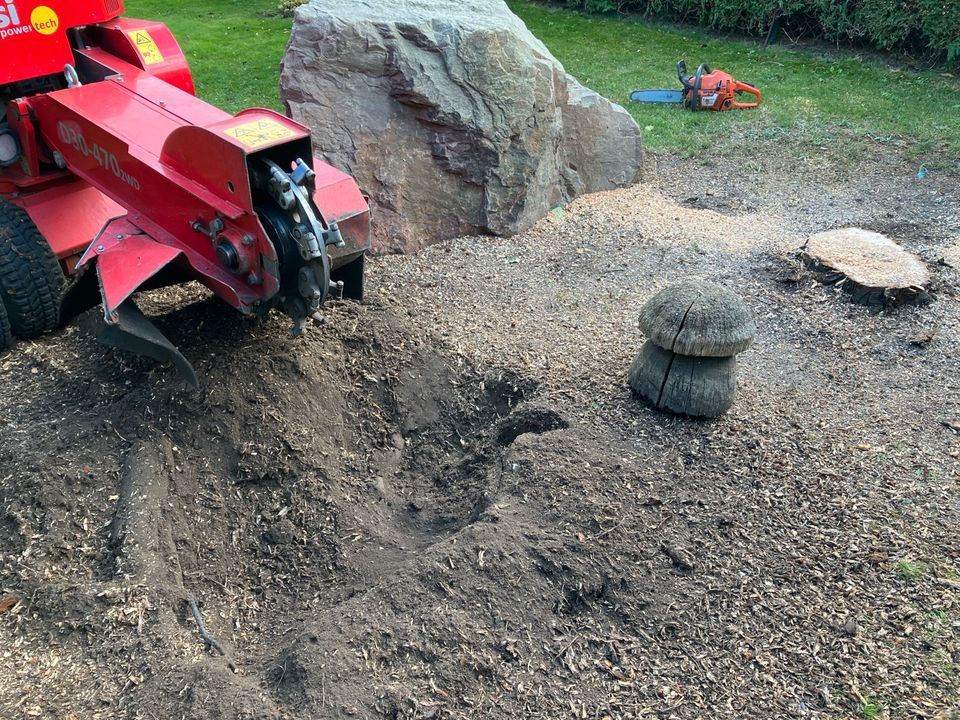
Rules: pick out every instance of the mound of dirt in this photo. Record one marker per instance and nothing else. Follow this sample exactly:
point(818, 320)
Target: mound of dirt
point(445, 503)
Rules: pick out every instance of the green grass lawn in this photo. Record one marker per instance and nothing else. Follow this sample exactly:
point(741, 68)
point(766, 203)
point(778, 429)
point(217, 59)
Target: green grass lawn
point(842, 105)
point(234, 46)
point(808, 100)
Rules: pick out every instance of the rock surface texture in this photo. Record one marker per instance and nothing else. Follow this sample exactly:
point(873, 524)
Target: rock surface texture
point(452, 116)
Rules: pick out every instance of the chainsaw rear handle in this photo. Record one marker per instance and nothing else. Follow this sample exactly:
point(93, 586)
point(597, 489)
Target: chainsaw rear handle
point(691, 86)
point(702, 69)
point(742, 87)
point(684, 76)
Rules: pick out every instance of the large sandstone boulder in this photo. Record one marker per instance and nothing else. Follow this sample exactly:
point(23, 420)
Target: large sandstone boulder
point(452, 116)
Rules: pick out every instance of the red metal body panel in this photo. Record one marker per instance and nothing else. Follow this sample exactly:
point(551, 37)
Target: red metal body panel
point(339, 199)
point(28, 172)
point(70, 216)
point(337, 195)
point(147, 45)
point(33, 34)
point(129, 258)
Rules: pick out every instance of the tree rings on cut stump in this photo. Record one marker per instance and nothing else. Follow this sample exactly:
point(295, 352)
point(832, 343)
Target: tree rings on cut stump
point(875, 270)
point(699, 318)
point(686, 385)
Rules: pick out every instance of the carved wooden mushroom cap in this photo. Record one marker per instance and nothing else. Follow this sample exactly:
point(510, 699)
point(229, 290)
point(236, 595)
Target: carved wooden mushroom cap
point(698, 318)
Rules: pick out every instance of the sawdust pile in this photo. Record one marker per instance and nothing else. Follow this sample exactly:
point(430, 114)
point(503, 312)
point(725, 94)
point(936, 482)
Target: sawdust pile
point(647, 213)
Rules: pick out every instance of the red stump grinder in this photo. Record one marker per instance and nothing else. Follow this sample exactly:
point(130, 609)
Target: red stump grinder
point(115, 178)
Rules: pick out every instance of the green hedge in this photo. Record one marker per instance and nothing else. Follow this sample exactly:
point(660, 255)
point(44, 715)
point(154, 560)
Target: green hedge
point(929, 26)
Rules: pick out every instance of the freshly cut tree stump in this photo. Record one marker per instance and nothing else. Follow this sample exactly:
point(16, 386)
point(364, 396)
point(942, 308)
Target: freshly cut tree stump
point(699, 318)
point(874, 269)
point(687, 385)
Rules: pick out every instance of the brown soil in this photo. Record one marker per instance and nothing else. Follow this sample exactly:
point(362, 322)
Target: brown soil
point(446, 503)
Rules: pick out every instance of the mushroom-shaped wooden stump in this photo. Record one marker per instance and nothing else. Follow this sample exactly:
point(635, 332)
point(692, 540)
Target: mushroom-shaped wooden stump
point(688, 365)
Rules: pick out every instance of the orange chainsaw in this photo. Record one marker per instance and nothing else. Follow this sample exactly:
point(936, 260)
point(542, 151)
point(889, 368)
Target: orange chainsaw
point(706, 89)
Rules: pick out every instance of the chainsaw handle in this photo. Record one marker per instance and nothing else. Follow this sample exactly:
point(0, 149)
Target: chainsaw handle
point(742, 87)
point(702, 69)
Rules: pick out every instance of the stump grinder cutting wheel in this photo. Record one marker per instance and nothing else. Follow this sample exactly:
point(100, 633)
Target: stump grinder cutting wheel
point(115, 177)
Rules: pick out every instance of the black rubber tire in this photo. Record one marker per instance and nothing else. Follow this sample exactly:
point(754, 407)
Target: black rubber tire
point(6, 337)
point(31, 282)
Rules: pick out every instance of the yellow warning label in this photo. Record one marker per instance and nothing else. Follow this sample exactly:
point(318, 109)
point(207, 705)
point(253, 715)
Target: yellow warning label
point(260, 132)
point(146, 47)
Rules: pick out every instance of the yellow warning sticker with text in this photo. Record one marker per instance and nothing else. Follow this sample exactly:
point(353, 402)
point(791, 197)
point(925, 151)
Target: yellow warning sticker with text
point(260, 132)
point(146, 47)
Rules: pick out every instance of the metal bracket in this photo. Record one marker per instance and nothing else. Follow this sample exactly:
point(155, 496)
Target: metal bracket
point(212, 230)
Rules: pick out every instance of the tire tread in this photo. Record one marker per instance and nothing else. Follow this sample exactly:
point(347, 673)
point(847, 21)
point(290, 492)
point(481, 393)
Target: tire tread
point(31, 282)
point(6, 336)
